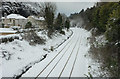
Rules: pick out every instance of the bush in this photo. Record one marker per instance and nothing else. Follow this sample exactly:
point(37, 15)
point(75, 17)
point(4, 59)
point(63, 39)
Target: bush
point(4, 40)
point(33, 38)
point(28, 25)
point(62, 32)
point(3, 25)
point(8, 39)
point(11, 39)
point(107, 56)
point(52, 48)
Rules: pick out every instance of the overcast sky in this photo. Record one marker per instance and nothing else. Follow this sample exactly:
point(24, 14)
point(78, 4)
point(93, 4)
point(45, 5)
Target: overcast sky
point(72, 7)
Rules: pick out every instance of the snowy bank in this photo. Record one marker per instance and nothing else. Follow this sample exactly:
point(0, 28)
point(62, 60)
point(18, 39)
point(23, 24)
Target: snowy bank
point(18, 56)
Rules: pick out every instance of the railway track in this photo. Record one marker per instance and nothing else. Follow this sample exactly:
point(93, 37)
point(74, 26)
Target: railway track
point(58, 61)
point(68, 59)
point(75, 60)
point(55, 57)
point(66, 62)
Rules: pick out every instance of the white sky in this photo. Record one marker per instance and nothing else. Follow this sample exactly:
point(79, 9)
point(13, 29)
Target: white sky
point(72, 7)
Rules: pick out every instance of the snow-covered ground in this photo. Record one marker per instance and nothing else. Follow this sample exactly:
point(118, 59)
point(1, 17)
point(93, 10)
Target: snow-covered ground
point(0, 66)
point(69, 60)
point(19, 55)
point(7, 30)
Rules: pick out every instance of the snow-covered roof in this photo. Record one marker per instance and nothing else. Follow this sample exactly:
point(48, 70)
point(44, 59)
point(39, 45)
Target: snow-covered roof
point(15, 16)
point(38, 18)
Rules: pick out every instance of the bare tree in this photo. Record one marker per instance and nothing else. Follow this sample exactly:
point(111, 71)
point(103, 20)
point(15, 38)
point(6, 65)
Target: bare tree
point(50, 5)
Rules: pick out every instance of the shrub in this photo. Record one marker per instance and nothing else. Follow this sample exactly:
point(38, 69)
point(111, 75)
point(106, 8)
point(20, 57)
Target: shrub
point(28, 25)
point(52, 48)
point(62, 32)
point(3, 25)
point(33, 38)
point(10, 39)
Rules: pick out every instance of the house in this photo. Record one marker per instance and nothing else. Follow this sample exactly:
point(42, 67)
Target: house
point(14, 20)
point(38, 22)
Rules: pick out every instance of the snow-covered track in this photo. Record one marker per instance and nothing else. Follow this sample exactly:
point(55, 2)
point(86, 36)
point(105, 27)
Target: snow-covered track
point(75, 59)
point(55, 57)
point(68, 61)
point(68, 58)
point(59, 61)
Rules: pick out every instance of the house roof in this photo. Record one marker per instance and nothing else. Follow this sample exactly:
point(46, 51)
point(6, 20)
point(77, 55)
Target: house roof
point(14, 16)
point(38, 18)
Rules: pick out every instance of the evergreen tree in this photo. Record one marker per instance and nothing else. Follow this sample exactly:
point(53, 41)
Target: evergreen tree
point(28, 25)
point(59, 22)
point(67, 24)
point(49, 17)
point(113, 26)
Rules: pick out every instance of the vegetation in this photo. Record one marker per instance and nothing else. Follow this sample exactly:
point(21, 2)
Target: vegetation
point(113, 25)
point(8, 39)
point(62, 32)
point(58, 25)
point(104, 18)
point(28, 25)
point(48, 10)
point(32, 37)
point(3, 25)
point(67, 24)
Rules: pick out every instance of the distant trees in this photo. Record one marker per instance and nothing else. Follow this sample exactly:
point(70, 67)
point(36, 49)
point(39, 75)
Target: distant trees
point(62, 22)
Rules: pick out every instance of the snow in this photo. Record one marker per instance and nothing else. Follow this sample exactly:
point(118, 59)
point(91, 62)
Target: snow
point(38, 18)
point(15, 27)
point(22, 55)
point(58, 67)
point(41, 18)
point(100, 41)
point(7, 30)
point(0, 66)
point(14, 16)
point(73, 51)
